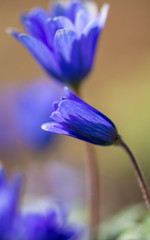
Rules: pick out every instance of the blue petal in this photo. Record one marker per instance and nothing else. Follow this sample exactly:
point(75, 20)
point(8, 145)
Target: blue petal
point(44, 55)
point(57, 23)
point(77, 133)
point(75, 6)
point(103, 15)
point(63, 41)
point(57, 9)
point(68, 9)
point(70, 95)
point(81, 21)
point(55, 105)
point(61, 22)
point(35, 23)
point(70, 57)
point(9, 200)
point(47, 225)
point(77, 62)
point(81, 112)
point(89, 41)
point(92, 9)
point(73, 70)
point(55, 128)
point(90, 37)
point(99, 21)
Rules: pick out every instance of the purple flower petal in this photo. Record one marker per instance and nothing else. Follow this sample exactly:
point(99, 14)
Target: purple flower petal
point(35, 23)
point(40, 51)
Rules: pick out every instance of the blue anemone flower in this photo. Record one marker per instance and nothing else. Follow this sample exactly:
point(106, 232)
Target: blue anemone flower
point(39, 222)
point(47, 225)
point(31, 107)
point(64, 40)
point(75, 118)
point(9, 200)
point(24, 109)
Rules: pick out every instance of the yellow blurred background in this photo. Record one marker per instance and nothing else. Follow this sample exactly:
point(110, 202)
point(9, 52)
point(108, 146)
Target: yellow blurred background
point(119, 86)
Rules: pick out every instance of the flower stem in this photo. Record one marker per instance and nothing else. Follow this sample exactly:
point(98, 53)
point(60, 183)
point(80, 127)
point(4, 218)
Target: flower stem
point(93, 190)
point(93, 187)
point(138, 172)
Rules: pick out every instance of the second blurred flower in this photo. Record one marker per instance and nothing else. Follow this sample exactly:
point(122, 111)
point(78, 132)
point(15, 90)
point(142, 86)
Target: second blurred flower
point(24, 109)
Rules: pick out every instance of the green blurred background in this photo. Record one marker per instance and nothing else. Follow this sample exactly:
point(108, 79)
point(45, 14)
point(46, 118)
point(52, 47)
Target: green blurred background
point(119, 86)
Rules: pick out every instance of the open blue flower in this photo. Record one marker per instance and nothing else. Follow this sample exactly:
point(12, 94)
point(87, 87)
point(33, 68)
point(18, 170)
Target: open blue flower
point(37, 223)
point(64, 40)
point(75, 118)
point(47, 225)
point(9, 200)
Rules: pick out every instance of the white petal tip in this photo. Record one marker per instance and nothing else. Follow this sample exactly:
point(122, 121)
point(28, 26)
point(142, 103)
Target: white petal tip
point(66, 88)
point(44, 127)
point(103, 14)
point(9, 31)
point(66, 91)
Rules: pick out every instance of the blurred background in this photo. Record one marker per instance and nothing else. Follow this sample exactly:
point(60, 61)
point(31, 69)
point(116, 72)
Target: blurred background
point(119, 86)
